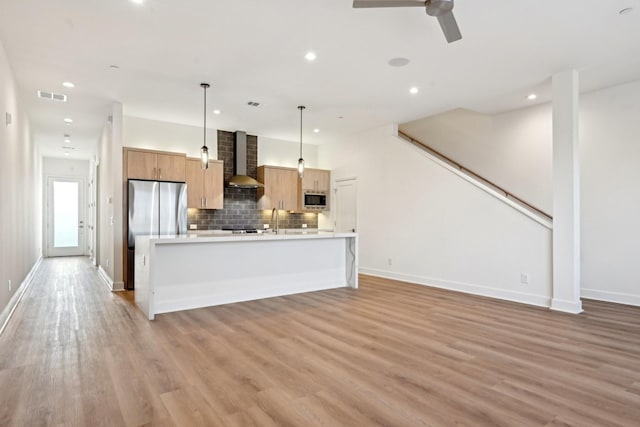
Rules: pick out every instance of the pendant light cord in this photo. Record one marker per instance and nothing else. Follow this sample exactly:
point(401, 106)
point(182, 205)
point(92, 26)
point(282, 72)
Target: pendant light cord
point(205, 86)
point(301, 107)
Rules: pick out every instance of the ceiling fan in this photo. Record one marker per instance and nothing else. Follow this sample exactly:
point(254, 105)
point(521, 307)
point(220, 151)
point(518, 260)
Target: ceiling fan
point(441, 9)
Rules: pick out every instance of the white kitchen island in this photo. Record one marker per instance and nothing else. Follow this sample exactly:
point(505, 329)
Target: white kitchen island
point(182, 272)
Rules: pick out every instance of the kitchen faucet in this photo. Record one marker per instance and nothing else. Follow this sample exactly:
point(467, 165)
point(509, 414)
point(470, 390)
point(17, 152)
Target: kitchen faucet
point(275, 211)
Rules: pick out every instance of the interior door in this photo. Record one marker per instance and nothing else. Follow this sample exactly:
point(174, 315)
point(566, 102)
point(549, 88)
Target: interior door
point(346, 205)
point(65, 217)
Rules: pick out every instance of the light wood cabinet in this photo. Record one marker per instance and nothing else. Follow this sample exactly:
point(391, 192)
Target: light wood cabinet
point(280, 189)
point(316, 180)
point(205, 188)
point(153, 165)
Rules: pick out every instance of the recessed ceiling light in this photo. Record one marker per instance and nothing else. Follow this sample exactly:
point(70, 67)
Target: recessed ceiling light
point(68, 121)
point(217, 112)
point(398, 62)
point(310, 56)
point(68, 84)
point(316, 130)
point(532, 96)
point(414, 90)
point(66, 153)
point(67, 140)
point(137, 1)
point(625, 10)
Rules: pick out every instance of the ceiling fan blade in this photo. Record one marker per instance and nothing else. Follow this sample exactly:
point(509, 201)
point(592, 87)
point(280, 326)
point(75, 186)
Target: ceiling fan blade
point(449, 27)
point(387, 3)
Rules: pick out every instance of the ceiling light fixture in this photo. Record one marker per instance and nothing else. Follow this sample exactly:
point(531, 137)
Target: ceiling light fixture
point(204, 151)
point(310, 56)
point(68, 121)
point(413, 90)
point(316, 130)
point(67, 140)
point(68, 84)
point(217, 112)
point(301, 160)
point(137, 1)
point(532, 96)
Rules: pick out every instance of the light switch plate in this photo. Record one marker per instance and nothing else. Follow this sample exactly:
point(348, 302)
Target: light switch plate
point(193, 226)
point(7, 118)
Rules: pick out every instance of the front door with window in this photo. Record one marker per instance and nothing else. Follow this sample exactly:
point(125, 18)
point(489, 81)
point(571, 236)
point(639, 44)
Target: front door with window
point(65, 216)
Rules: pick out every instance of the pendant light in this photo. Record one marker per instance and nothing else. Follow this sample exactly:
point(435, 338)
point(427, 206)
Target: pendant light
point(301, 160)
point(204, 151)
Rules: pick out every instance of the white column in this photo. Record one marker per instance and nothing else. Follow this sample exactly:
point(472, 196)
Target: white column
point(566, 194)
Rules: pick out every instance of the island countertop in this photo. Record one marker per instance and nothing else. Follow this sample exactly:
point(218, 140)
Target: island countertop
point(214, 236)
point(205, 268)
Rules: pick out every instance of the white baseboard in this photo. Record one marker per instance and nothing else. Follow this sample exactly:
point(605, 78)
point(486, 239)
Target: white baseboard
point(5, 316)
point(111, 285)
point(567, 306)
point(469, 288)
point(617, 297)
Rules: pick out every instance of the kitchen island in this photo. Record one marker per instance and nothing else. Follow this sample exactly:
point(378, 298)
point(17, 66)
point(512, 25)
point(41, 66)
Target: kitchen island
point(195, 270)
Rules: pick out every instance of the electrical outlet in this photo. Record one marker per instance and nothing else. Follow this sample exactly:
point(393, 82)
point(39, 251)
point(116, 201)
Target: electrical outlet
point(304, 225)
point(193, 226)
point(524, 278)
point(9, 285)
point(265, 226)
point(390, 261)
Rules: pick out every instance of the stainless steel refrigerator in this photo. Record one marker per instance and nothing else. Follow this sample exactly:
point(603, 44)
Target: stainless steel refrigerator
point(155, 208)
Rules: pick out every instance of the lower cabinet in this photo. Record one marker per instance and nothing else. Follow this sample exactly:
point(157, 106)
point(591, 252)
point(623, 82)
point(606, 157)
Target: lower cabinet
point(205, 188)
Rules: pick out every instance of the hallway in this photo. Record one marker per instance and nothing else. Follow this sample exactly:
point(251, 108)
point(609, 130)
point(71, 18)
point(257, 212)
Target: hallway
point(388, 353)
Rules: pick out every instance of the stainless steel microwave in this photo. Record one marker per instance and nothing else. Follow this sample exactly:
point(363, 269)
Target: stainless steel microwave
point(315, 201)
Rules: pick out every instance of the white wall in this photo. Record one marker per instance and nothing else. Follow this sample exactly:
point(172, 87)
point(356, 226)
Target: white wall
point(165, 136)
point(511, 149)
point(20, 192)
point(277, 152)
point(514, 150)
point(109, 200)
point(610, 196)
point(437, 228)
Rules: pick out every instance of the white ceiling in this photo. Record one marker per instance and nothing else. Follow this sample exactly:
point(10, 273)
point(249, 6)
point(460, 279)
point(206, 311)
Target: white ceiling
point(253, 50)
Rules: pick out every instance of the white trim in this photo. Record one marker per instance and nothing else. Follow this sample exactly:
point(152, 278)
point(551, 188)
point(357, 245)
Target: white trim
point(566, 306)
point(6, 314)
point(469, 288)
point(539, 219)
point(617, 297)
point(111, 285)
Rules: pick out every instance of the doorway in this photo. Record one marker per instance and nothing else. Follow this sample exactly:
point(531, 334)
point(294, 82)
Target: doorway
point(346, 205)
point(65, 216)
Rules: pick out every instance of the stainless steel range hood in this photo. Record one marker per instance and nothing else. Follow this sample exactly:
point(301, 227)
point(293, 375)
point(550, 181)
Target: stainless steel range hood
point(240, 179)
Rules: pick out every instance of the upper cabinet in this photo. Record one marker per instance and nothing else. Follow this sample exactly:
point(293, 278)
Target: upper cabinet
point(280, 189)
point(155, 165)
point(316, 180)
point(205, 188)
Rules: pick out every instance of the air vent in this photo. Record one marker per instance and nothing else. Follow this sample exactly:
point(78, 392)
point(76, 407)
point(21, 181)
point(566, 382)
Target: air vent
point(52, 96)
point(253, 103)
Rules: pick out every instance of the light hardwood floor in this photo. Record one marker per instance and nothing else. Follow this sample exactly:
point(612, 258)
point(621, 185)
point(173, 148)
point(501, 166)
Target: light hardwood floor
point(389, 353)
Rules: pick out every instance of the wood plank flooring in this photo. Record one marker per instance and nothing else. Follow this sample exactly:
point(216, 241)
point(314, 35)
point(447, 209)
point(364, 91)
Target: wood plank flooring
point(389, 354)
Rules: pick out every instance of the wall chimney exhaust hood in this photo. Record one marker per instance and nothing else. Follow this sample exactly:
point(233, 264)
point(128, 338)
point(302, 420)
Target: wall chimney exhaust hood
point(240, 179)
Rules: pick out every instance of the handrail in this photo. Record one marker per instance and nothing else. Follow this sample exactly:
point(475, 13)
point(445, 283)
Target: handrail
point(469, 172)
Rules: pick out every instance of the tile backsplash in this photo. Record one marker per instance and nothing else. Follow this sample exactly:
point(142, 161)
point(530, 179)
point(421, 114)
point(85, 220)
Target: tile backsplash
point(241, 211)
